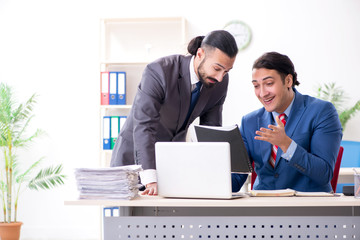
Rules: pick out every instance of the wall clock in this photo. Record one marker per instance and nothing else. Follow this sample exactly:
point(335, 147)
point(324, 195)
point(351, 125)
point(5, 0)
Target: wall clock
point(241, 32)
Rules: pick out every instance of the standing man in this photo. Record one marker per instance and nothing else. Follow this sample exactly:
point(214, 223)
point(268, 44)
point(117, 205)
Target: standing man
point(294, 139)
point(163, 107)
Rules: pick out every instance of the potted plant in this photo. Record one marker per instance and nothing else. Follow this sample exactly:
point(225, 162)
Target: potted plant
point(336, 95)
point(14, 121)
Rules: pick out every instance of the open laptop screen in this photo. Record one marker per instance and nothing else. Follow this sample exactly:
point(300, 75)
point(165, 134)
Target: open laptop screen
point(193, 169)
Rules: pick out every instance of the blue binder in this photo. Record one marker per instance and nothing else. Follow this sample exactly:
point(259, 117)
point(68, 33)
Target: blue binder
point(106, 133)
point(122, 122)
point(111, 211)
point(121, 88)
point(115, 211)
point(113, 97)
point(107, 211)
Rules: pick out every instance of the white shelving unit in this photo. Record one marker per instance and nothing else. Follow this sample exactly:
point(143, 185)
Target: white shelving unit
point(128, 45)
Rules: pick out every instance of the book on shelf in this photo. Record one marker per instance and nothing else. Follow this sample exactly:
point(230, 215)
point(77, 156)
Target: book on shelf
point(240, 162)
point(113, 88)
point(112, 126)
point(111, 211)
point(288, 193)
point(104, 78)
point(106, 133)
point(121, 89)
point(114, 130)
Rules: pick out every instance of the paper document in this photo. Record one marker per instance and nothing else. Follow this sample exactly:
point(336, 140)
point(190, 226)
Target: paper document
point(272, 193)
point(108, 183)
point(288, 193)
point(314, 194)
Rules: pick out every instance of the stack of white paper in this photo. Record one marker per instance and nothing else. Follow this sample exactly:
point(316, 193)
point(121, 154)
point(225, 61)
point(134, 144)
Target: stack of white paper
point(108, 183)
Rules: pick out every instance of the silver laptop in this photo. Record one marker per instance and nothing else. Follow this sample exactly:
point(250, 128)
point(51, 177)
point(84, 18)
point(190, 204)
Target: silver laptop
point(194, 170)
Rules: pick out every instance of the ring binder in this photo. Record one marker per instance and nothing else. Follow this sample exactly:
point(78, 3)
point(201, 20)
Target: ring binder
point(240, 162)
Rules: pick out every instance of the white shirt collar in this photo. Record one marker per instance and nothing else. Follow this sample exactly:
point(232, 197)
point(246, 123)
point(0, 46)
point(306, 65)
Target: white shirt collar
point(193, 77)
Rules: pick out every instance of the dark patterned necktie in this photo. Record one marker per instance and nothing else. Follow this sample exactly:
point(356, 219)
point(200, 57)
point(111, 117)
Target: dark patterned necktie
point(194, 97)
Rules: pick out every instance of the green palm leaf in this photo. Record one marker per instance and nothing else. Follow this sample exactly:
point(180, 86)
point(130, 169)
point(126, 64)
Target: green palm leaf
point(47, 178)
point(14, 121)
point(25, 175)
point(336, 95)
point(349, 113)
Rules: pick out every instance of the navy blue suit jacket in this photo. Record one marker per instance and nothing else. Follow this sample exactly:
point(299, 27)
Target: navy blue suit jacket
point(315, 126)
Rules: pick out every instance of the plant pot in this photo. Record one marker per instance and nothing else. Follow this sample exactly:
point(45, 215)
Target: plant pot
point(10, 231)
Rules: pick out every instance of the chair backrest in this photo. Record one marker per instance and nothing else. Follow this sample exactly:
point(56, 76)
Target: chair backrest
point(253, 176)
point(334, 180)
point(350, 159)
point(351, 156)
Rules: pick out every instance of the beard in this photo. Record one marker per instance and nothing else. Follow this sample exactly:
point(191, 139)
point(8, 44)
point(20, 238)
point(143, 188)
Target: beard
point(202, 76)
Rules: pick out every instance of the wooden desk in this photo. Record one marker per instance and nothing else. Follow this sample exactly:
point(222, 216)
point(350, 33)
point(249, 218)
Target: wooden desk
point(251, 217)
point(156, 201)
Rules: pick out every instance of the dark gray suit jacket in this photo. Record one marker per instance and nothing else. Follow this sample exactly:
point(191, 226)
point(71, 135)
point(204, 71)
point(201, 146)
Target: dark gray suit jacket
point(160, 108)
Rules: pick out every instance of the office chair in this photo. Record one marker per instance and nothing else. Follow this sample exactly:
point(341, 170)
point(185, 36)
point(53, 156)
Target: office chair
point(351, 156)
point(334, 180)
point(350, 159)
point(253, 176)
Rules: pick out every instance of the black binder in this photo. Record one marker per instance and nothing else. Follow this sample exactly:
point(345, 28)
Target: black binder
point(240, 162)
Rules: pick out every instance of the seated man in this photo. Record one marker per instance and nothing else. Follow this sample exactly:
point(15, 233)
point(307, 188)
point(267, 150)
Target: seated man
point(294, 139)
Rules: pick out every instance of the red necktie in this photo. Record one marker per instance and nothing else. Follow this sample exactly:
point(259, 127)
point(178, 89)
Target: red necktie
point(274, 147)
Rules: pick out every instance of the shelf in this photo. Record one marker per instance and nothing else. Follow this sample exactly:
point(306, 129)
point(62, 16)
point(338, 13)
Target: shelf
point(119, 62)
point(142, 20)
point(115, 106)
point(107, 151)
point(129, 45)
point(141, 39)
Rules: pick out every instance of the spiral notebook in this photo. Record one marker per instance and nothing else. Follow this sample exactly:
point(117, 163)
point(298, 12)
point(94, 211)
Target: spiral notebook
point(194, 170)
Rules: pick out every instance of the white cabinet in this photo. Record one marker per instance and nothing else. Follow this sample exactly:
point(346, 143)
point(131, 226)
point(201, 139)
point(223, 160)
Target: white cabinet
point(127, 45)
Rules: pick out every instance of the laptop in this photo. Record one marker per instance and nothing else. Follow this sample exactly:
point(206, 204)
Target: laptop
point(194, 170)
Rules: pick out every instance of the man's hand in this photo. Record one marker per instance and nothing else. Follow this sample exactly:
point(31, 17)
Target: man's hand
point(151, 189)
point(275, 135)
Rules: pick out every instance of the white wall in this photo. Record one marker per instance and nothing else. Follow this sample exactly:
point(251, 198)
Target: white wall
point(52, 48)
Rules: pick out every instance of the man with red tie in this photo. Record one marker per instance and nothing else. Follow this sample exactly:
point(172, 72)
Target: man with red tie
point(294, 139)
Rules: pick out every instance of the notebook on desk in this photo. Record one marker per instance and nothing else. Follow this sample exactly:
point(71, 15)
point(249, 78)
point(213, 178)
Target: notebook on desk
point(194, 170)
